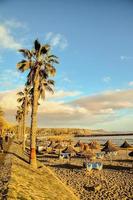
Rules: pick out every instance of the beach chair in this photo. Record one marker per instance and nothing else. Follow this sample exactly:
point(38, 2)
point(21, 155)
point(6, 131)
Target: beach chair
point(95, 165)
point(89, 166)
point(99, 155)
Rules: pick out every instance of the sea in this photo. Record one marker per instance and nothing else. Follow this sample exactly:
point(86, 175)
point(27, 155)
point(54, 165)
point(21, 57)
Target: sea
point(118, 140)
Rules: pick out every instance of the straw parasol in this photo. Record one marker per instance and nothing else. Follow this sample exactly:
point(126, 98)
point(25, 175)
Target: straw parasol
point(80, 145)
point(52, 144)
point(89, 154)
point(86, 147)
point(69, 149)
point(131, 154)
point(110, 147)
point(108, 143)
point(58, 146)
point(94, 145)
point(125, 145)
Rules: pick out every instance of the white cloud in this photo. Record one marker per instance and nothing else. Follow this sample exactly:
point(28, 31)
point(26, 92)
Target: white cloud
point(98, 111)
point(126, 57)
point(107, 79)
point(7, 41)
point(62, 94)
point(130, 83)
point(13, 23)
point(57, 40)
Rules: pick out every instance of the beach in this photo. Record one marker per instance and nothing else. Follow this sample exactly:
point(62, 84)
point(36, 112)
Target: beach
point(114, 181)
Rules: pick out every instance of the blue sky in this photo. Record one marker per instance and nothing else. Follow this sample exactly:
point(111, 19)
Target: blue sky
point(93, 39)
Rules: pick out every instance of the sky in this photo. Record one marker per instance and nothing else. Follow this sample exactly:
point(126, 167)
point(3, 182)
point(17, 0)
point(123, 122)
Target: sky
point(94, 42)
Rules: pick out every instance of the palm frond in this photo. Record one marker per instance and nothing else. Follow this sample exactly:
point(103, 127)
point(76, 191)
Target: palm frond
point(26, 53)
point(37, 45)
point(24, 65)
point(20, 94)
point(44, 49)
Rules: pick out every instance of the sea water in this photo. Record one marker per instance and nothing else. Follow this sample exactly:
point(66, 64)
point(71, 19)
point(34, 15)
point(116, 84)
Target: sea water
point(118, 140)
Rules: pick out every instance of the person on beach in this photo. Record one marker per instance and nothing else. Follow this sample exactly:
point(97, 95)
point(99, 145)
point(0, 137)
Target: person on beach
point(6, 137)
point(1, 143)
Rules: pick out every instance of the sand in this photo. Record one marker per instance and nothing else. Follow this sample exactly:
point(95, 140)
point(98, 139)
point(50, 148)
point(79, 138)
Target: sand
point(30, 184)
point(115, 181)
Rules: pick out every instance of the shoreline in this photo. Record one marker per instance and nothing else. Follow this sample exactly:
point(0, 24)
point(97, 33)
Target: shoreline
point(103, 135)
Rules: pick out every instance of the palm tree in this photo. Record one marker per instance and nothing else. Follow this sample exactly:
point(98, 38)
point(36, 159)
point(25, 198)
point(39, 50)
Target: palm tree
point(25, 99)
point(19, 118)
point(39, 62)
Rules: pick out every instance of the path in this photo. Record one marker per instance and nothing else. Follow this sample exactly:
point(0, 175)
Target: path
point(5, 166)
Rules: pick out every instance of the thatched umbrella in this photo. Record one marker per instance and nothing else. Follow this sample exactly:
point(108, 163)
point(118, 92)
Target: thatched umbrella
point(86, 147)
point(80, 145)
point(94, 145)
point(131, 155)
point(110, 148)
point(58, 147)
point(126, 145)
point(69, 149)
point(108, 143)
point(52, 144)
point(89, 154)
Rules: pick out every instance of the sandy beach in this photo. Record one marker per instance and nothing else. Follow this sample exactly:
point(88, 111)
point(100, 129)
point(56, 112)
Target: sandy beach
point(114, 181)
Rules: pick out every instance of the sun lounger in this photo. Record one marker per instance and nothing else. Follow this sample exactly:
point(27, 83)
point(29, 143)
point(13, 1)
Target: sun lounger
point(100, 155)
point(95, 165)
point(64, 156)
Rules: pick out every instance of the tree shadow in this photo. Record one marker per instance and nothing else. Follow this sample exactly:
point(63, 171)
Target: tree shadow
point(115, 167)
point(125, 160)
point(66, 166)
point(18, 156)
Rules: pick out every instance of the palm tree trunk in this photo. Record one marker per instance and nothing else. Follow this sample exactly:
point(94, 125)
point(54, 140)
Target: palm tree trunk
point(19, 130)
point(33, 160)
point(24, 123)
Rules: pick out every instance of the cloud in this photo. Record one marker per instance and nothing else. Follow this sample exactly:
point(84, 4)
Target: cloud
point(13, 23)
point(10, 78)
point(130, 83)
point(7, 41)
point(126, 58)
point(107, 102)
point(57, 40)
point(104, 110)
point(107, 79)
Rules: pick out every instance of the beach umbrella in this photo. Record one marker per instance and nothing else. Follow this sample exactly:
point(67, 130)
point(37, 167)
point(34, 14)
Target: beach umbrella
point(108, 143)
point(94, 145)
point(125, 145)
point(69, 149)
point(52, 144)
point(131, 154)
point(89, 154)
point(58, 146)
point(86, 147)
point(78, 144)
point(110, 148)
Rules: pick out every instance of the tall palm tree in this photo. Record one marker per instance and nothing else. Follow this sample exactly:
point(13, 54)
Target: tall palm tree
point(19, 118)
point(25, 100)
point(39, 62)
